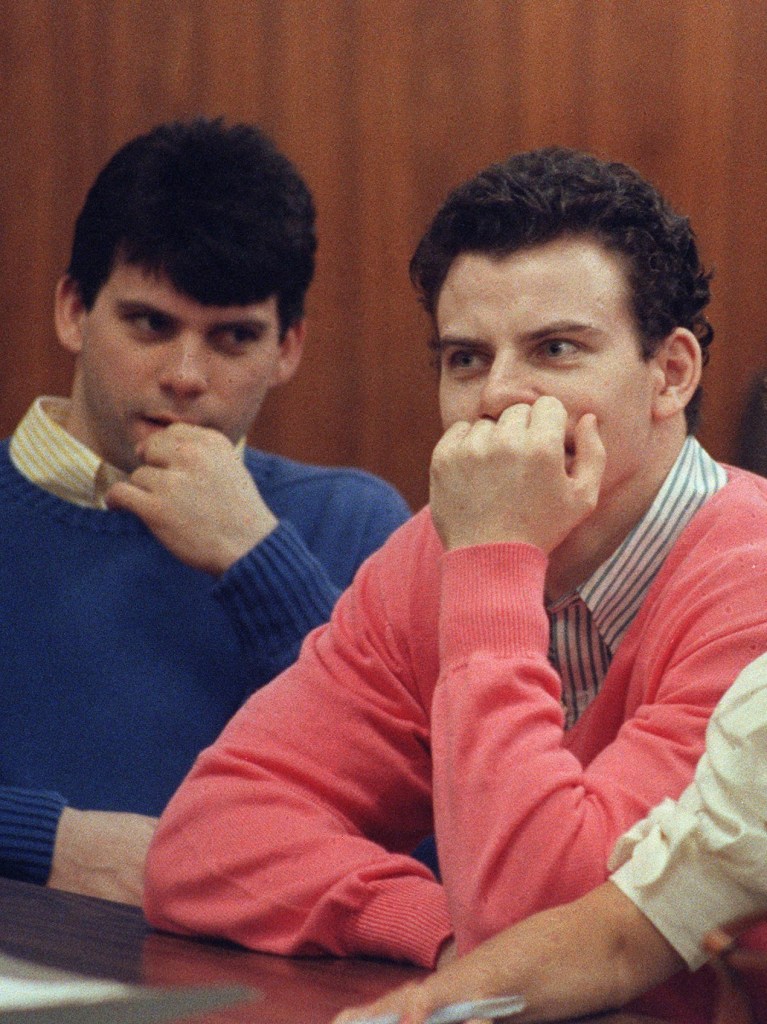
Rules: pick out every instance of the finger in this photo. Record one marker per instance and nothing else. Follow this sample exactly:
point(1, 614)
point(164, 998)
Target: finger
point(411, 1004)
point(456, 432)
point(164, 447)
point(548, 424)
point(180, 442)
point(150, 478)
point(590, 457)
point(143, 504)
point(145, 482)
point(548, 410)
point(718, 941)
point(126, 497)
point(388, 1006)
point(517, 415)
point(453, 436)
point(477, 437)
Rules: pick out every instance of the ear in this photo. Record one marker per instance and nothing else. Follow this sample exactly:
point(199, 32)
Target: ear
point(679, 365)
point(291, 350)
point(69, 314)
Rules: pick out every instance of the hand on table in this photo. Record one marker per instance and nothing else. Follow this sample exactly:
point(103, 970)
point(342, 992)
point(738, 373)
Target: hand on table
point(102, 853)
point(521, 478)
point(196, 496)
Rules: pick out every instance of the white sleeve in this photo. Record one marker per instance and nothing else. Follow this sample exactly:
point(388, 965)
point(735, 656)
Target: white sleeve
point(701, 861)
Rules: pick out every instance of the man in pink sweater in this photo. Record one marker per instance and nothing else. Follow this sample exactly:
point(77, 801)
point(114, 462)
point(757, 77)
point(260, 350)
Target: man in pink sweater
point(528, 666)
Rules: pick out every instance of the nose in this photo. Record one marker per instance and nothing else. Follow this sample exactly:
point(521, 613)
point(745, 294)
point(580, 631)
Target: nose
point(508, 382)
point(185, 368)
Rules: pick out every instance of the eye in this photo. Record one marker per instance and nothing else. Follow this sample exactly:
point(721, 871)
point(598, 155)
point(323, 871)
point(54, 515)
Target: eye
point(236, 337)
point(150, 323)
point(461, 360)
point(558, 348)
point(242, 335)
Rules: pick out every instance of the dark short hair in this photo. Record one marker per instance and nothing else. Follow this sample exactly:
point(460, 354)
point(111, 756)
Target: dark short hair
point(533, 198)
point(218, 210)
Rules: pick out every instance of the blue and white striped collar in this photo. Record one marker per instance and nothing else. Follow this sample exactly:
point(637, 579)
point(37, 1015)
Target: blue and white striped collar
point(615, 591)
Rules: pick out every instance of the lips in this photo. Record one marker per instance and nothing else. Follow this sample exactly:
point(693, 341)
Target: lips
point(166, 419)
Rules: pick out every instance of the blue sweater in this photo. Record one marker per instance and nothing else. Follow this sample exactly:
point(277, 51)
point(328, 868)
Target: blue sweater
point(120, 663)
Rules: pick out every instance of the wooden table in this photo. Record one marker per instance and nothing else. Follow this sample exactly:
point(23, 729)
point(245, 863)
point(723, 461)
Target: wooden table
point(109, 940)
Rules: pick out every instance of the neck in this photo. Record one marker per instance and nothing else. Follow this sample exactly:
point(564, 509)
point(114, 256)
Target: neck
point(602, 533)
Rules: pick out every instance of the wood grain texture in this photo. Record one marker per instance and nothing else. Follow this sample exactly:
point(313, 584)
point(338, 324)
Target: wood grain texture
point(385, 105)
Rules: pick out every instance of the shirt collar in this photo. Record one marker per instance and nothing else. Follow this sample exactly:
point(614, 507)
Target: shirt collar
point(615, 591)
point(47, 455)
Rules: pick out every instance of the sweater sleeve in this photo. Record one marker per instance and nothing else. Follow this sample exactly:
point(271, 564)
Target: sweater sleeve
point(698, 863)
point(291, 834)
point(276, 594)
point(28, 823)
point(527, 815)
point(281, 590)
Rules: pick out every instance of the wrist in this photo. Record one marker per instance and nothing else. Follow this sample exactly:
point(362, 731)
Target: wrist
point(231, 550)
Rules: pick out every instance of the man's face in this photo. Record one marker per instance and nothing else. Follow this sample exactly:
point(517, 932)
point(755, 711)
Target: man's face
point(148, 356)
point(555, 320)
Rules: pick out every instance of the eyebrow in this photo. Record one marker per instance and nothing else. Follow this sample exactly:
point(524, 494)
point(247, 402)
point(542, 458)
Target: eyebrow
point(563, 327)
point(253, 323)
point(131, 307)
point(439, 342)
point(139, 306)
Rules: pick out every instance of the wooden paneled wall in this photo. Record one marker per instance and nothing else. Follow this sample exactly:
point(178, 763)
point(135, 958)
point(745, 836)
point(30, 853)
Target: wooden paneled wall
point(385, 105)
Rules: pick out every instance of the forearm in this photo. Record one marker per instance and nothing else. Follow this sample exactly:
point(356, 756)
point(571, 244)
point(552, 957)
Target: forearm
point(708, 847)
point(286, 877)
point(101, 853)
point(275, 595)
point(505, 787)
point(284, 838)
point(594, 954)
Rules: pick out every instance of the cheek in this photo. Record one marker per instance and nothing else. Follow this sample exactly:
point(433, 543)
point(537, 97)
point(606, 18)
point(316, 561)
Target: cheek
point(457, 404)
point(105, 378)
point(119, 369)
point(239, 397)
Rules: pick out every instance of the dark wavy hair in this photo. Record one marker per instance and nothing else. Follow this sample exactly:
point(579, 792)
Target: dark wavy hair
point(535, 197)
point(217, 209)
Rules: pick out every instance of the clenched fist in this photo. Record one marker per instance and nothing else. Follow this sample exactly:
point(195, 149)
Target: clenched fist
point(523, 478)
point(196, 496)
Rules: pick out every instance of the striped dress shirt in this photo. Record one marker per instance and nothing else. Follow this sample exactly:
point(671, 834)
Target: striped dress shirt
point(47, 455)
point(587, 625)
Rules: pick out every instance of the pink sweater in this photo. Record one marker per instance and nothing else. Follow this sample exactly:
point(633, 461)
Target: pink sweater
point(430, 691)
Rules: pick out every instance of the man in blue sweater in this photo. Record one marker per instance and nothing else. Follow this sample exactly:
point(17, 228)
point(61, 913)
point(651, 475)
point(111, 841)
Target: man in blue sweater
point(155, 569)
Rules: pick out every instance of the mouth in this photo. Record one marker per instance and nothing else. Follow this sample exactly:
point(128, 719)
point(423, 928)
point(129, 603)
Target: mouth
point(162, 420)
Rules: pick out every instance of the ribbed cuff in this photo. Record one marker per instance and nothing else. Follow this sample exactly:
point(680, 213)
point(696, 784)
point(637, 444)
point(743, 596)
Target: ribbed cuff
point(492, 598)
point(406, 920)
point(29, 820)
point(279, 587)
